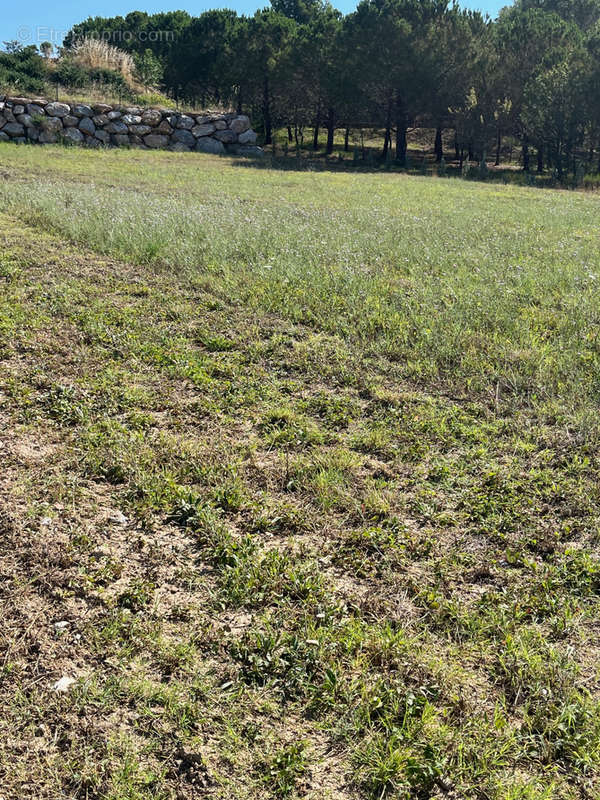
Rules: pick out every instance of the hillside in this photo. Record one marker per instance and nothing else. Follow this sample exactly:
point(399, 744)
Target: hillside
point(300, 482)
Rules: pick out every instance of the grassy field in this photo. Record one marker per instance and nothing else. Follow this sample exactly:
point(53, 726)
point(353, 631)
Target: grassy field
point(300, 483)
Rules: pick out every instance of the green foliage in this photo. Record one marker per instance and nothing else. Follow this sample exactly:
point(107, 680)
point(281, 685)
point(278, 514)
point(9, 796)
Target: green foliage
point(22, 69)
point(68, 73)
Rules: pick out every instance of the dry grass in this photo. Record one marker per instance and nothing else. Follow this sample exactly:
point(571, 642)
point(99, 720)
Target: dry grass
point(98, 54)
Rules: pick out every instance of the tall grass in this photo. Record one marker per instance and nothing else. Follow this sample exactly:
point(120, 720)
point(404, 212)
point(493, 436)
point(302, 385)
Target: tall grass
point(98, 54)
point(493, 290)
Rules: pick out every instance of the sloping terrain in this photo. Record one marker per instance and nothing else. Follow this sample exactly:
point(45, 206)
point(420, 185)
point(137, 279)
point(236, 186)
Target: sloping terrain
point(299, 491)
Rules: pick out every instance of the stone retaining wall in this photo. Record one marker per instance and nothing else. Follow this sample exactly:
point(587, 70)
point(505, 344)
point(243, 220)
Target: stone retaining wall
point(26, 120)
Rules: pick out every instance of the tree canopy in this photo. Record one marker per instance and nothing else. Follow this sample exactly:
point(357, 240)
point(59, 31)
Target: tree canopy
point(533, 74)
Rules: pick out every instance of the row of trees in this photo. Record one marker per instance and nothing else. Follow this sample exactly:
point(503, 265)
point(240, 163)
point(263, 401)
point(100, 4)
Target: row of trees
point(533, 74)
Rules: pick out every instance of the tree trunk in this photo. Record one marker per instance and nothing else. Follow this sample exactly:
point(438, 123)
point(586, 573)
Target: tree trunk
point(540, 158)
point(498, 148)
point(525, 152)
point(401, 127)
point(330, 130)
point(347, 139)
point(387, 139)
point(239, 103)
point(266, 109)
point(559, 160)
point(290, 134)
point(456, 147)
point(470, 151)
point(438, 147)
point(316, 131)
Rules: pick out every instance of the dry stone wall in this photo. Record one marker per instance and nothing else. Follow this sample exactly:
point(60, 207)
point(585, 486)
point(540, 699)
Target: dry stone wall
point(33, 120)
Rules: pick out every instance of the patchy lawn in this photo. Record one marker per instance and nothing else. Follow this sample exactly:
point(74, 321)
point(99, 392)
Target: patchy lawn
point(300, 483)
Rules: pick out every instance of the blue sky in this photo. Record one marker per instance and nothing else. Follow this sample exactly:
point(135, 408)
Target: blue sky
point(38, 20)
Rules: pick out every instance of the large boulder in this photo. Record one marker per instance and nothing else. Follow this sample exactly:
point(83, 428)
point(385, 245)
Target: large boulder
point(249, 150)
point(227, 137)
point(81, 110)
point(205, 119)
point(165, 128)
point(58, 110)
point(48, 137)
point(114, 115)
point(25, 119)
point(14, 129)
point(52, 124)
point(87, 126)
point(240, 124)
point(203, 130)
point(184, 137)
point(120, 139)
point(33, 134)
point(248, 137)
point(116, 127)
point(100, 120)
point(70, 121)
point(156, 141)
point(34, 109)
point(209, 145)
point(151, 118)
point(101, 108)
point(4, 137)
point(185, 123)
point(73, 135)
point(140, 130)
point(102, 136)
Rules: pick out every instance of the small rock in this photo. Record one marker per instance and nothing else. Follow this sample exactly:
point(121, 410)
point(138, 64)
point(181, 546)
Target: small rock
point(118, 518)
point(64, 684)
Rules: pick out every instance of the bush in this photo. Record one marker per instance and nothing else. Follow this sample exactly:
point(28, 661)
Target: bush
point(70, 73)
